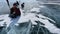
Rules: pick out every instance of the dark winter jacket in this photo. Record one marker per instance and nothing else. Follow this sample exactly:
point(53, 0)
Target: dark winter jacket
point(15, 11)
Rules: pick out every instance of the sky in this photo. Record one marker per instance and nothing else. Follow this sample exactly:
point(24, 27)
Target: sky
point(17, 0)
point(9, 0)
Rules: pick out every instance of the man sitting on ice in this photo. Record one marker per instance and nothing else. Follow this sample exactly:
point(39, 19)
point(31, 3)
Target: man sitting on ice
point(14, 11)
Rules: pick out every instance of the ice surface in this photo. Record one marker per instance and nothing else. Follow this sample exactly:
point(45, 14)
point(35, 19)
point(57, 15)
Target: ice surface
point(30, 12)
point(31, 16)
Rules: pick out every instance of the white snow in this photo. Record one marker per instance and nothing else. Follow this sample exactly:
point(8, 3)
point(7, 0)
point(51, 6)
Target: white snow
point(35, 9)
point(33, 18)
point(25, 17)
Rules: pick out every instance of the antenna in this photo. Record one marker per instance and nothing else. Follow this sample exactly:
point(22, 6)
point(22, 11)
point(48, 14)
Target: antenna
point(8, 3)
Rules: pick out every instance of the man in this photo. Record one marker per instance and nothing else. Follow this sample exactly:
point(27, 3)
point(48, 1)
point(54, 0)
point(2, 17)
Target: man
point(14, 11)
point(22, 5)
point(17, 2)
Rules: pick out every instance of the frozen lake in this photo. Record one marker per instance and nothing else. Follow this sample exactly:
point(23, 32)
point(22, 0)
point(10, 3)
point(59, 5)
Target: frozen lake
point(43, 18)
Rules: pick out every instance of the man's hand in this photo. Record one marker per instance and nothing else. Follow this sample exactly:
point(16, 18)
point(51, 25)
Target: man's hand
point(13, 12)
